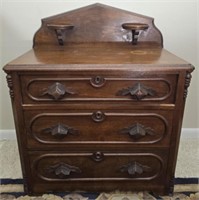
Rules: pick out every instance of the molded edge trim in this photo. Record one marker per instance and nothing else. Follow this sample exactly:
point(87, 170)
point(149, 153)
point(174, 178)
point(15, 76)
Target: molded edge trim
point(10, 134)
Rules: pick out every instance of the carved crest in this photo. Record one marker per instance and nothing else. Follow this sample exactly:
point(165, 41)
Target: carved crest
point(95, 23)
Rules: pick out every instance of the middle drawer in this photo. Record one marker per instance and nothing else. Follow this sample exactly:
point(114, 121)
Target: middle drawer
point(61, 129)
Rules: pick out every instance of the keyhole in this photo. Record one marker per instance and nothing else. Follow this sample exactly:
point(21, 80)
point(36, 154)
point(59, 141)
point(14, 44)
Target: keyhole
point(98, 156)
point(97, 79)
point(98, 116)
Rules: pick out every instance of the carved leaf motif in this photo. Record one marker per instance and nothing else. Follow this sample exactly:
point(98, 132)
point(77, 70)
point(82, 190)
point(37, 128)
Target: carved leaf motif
point(60, 130)
point(57, 91)
point(137, 131)
point(134, 168)
point(62, 169)
point(138, 91)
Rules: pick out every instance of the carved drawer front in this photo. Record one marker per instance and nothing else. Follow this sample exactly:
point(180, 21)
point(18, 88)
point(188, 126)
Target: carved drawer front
point(98, 127)
point(97, 165)
point(98, 87)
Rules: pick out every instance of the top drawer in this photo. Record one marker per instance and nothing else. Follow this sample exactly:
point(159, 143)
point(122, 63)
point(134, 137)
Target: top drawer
point(60, 88)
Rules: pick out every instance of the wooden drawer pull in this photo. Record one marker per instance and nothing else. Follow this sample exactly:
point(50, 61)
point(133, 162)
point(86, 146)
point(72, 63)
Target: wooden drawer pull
point(138, 91)
point(134, 167)
point(62, 169)
point(137, 131)
point(60, 130)
point(57, 91)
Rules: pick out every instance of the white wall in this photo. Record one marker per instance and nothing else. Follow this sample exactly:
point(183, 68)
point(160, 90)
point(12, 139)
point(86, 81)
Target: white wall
point(178, 21)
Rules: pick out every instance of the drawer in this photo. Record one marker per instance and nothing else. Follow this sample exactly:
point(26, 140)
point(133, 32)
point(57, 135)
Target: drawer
point(97, 165)
point(63, 129)
point(53, 89)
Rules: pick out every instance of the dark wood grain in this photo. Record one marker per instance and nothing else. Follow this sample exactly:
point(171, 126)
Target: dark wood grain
point(92, 111)
point(89, 55)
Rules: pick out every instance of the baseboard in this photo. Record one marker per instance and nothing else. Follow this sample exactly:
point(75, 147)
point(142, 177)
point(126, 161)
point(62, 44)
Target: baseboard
point(9, 134)
point(190, 133)
point(186, 133)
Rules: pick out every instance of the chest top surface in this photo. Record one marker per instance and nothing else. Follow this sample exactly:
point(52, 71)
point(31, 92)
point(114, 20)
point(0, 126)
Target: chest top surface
point(97, 37)
point(98, 56)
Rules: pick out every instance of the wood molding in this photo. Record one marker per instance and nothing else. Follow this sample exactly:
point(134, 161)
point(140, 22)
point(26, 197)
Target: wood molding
point(10, 134)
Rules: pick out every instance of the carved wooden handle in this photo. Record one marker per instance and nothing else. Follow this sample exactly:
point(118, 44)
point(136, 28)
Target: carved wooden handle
point(57, 91)
point(62, 170)
point(138, 130)
point(60, 130)
point(138, 91)
point(134, 167)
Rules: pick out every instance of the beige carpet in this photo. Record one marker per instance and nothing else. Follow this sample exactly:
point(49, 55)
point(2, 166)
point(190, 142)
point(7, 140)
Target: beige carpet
point(104, 196)
point(187, 163)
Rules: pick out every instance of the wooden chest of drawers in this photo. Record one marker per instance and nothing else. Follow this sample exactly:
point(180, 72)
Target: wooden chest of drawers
point(94, 112)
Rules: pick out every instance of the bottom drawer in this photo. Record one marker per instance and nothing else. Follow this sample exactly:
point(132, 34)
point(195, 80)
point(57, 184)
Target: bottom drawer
point(97, 171)
point(91, 166)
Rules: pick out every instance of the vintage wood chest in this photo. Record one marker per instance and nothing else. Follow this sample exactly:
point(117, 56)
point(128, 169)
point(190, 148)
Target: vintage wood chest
point(98, 104)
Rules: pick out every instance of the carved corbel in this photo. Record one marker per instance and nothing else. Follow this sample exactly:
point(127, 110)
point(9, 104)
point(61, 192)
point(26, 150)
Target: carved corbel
point(135, 29)
point(60, 30)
